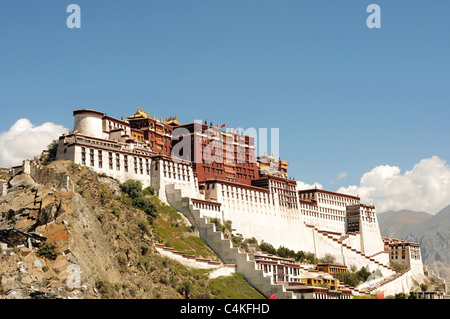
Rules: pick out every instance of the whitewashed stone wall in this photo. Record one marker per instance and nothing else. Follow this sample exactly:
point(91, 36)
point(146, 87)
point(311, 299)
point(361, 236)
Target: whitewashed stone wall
point(89, 124)
point(3, 188)
point(166, 172)
point(277, 225)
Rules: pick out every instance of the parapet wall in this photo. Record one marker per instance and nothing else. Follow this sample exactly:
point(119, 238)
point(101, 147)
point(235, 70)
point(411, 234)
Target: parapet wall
point(3, 188)
point(48, 174)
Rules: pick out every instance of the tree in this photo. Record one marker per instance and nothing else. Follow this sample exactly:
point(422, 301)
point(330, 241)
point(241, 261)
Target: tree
point(311, 258)
point(423, 288)
point(300, 255)
point(349, 278)
point(132, 188)
point(148, 191)
point(146, 206)
point(363, 273)
point(328, 259)
point(52, 149)
point(268, 248)
point(285, 252)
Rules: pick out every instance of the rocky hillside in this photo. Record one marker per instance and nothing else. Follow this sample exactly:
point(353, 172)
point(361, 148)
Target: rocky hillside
point(432, 232)
point(398, 224)
point(68, 233)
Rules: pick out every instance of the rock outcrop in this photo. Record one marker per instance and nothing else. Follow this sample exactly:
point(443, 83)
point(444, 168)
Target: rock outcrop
point(73, 235)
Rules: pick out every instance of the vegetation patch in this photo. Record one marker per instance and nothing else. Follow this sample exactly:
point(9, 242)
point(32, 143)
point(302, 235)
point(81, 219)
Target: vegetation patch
point(48, 250)
point(232, 287)
point(170, 229)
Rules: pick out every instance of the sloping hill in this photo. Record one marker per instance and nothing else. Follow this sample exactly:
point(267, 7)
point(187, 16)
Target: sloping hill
point(432, 232)
point(89, 225)
point(398, 224)
point(433, 236)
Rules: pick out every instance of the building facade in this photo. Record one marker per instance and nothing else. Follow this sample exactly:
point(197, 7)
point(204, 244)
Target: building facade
point(220, 173)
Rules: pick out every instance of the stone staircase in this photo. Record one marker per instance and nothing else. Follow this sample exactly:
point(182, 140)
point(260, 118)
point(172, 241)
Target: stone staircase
point(385, 283)
point(352, 252)
point(245, 265)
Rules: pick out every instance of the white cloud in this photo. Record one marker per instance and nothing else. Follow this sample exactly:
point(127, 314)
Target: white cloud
point(342, 175)
point(302, 185)
point(24, 141)
point(424, 188)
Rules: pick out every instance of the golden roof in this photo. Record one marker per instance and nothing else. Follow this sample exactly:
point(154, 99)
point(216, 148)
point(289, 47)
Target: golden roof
point(140, 113)
point(172, 121)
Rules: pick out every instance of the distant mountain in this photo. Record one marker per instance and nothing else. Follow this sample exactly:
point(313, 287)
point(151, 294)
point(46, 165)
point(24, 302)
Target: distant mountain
point(433, 236)
point(399, 224)
point(432, 232)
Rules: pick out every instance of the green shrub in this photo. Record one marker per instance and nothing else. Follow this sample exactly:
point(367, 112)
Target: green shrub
point(48, 250)
point(105, 288)
point(218, 224)
point(126, 200)
point(268, 248)
point(144, 248)
point(52, 149)
point(146, 205)
point(363, 274)
point(132, 188)
point(143, 225)
point(148, 191)
point(116, 210)
point(145, 262)
point(285, 252)
point(349, 278)
point(328, 259)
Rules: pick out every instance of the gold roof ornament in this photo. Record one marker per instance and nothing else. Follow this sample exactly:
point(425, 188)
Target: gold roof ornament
point(172, 121)
point(140, 113)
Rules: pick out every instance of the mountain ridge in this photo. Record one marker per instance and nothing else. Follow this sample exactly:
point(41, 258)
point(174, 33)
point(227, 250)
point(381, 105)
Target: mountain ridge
point(432, 232)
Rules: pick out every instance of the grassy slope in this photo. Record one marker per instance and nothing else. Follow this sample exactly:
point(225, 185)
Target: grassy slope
point(170, 230)
point(169, 279)
point(232, 287)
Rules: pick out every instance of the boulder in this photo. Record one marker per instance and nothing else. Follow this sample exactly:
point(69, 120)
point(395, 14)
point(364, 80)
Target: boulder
point(24, 251)
point(21, 180)
point(60, 264)
point(37, 263)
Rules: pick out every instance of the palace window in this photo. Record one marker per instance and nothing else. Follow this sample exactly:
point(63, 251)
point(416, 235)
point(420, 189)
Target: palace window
point(91, 155)
point(118, 162)
point(110, 159)
point(100, 159)
point(141, 169)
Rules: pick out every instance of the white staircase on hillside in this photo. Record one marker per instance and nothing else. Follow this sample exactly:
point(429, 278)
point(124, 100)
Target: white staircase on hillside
point(224, 247)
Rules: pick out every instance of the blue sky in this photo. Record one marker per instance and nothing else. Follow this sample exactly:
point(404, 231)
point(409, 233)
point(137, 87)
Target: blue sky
point(345, 97)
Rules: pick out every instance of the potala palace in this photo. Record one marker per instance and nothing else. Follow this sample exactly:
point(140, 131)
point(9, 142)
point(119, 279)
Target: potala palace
point(206, 171)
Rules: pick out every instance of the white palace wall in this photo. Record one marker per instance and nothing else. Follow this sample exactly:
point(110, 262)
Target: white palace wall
point(166, 172)
point(89, 124)
point(119, 165)
point(261, 217)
